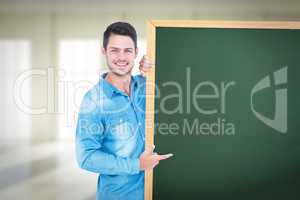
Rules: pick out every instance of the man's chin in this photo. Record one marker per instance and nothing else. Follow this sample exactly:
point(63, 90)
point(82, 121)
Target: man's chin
point(121, 73)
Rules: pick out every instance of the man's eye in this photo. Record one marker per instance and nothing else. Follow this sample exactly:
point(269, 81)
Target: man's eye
point(128, 51)
point(114, 50)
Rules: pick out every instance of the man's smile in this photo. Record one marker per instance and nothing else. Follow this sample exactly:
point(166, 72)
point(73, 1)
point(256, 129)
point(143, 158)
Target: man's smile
point(121, 64)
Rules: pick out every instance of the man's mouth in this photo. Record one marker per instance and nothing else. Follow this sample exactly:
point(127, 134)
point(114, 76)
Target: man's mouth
point(121, 64)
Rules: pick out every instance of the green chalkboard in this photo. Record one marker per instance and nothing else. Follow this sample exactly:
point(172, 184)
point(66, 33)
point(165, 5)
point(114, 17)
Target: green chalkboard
point(228, 107)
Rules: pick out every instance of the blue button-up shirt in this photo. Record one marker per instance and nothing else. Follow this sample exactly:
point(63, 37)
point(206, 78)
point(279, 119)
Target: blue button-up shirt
point(110, 137)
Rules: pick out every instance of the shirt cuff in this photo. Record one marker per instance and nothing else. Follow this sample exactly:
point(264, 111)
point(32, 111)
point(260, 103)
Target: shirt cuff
point(136, 165)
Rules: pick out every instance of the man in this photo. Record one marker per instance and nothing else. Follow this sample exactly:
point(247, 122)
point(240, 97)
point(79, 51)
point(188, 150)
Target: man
point(110, 133)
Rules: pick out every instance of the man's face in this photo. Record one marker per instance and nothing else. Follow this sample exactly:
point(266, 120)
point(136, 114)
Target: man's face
point(120, 54)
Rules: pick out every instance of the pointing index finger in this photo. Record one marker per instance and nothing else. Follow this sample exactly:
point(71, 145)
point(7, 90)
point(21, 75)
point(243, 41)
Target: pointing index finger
point(163, 157)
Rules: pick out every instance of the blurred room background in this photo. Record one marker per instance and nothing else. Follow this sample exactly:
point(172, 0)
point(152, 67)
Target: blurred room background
point(50, 56)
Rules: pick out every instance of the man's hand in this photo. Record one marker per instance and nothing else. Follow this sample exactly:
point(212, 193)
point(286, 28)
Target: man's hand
point(148, 159)
point(145, 65)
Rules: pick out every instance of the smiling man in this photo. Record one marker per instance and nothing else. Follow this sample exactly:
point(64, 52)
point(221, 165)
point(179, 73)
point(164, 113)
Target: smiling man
point(110, 134)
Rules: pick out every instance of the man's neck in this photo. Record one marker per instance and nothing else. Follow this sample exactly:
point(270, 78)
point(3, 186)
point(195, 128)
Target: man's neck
point(120, 82)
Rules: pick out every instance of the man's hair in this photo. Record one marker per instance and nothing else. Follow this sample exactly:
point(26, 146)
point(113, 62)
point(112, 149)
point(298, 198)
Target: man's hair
point(120, 28)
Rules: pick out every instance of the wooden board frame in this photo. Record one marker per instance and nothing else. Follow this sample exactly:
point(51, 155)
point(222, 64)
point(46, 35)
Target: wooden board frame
point(150, 84)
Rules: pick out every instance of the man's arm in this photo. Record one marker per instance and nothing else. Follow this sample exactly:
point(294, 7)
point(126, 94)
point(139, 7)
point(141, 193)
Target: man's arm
point(89, 151)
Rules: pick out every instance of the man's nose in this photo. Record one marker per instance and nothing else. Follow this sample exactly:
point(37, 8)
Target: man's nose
point(122, 55)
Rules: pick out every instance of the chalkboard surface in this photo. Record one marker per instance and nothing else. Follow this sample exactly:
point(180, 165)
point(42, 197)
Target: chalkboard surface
point(228, 108)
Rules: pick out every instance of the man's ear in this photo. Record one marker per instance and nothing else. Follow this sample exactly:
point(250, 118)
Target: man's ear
point(103, 50)
point(136, 52)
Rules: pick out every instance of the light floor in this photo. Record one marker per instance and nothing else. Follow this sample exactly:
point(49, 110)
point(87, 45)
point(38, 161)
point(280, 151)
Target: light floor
point(42, 172)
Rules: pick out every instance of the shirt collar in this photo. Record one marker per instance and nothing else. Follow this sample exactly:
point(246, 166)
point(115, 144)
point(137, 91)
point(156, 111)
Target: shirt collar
point(111, 90)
